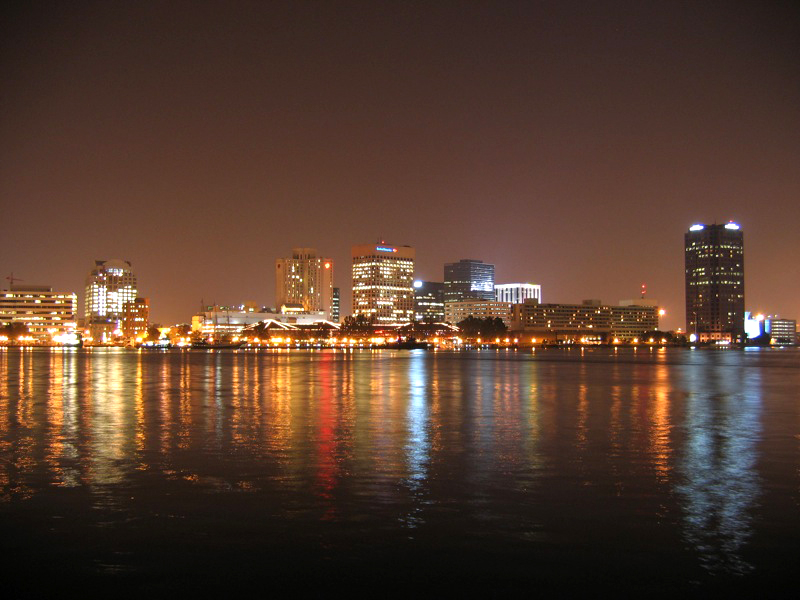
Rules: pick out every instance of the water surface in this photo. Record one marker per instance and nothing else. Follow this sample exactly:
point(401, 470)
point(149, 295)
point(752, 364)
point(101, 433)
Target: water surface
point(402, 471)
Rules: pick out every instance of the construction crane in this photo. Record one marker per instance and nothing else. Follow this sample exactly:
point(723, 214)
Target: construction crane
point(11, 279)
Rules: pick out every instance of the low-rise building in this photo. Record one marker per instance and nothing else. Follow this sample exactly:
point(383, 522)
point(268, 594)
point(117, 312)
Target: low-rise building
point(588, 322)
point(45, 313)
point(455, 312)
point(231, 321)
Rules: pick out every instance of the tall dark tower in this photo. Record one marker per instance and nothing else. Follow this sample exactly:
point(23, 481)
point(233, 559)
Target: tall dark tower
point(468, 279)
point(715, 282)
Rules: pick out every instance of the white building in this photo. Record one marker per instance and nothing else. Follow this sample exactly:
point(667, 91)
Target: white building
point(220, 320)
point(517, 293)
point(109, 285)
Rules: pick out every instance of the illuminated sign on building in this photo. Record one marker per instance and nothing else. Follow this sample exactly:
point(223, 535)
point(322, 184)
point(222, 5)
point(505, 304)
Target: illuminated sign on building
point(385, 249)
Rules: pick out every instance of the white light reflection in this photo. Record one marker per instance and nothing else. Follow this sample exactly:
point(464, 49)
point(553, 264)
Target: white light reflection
point(719, 484)
point(417, 447)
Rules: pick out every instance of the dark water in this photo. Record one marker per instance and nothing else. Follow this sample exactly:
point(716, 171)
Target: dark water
point(403, 473)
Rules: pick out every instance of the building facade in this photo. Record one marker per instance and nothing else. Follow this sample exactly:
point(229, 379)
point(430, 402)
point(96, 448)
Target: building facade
point(109, 285)
point(46, 314)
point(455, 312)
point(231, 320)
point(517, 293)
point(136, 318)
point(467, 279)
point(589, 322)
point(429, 301)
point(714, 261)
point(305, 279)
point(336, 314)
point(383, 278)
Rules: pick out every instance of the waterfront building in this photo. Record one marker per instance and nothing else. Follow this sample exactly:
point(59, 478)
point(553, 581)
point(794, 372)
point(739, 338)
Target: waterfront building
point(382, 282)
point(589, 322)
point(455, 312)
point(136, 318)
point(468, 278)
point(429, 301)
point(305, 279)
point(228, 321)
point(336, 306)
point(46, 314)
point(714, 269)
point(782, 332)
point(517, 293)
point(109, 285)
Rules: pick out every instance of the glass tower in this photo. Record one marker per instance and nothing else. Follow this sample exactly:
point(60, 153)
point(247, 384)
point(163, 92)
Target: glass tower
point(714, 258)
point(468, 279)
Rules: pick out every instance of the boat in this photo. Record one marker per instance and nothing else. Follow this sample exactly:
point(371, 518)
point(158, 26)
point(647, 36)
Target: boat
point(408, 344)
point(216, 344)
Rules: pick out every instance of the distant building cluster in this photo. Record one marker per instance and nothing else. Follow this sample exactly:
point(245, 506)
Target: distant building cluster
point(385, 294)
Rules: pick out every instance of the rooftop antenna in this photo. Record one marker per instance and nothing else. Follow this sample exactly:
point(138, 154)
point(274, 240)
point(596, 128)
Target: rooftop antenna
point(644, 290)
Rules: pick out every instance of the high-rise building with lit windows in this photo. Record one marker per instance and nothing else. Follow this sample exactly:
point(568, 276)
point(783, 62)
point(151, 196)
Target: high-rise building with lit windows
point(109, 286)
point(468, 279)
point(714, 259)
point(305, 279)
point(383, 282)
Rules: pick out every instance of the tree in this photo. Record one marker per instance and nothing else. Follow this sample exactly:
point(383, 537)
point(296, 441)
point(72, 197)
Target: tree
point(357, 324)
point(487, 327)
point(14, 329)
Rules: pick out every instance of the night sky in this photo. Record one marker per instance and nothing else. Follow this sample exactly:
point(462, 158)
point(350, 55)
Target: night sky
point(570, 144)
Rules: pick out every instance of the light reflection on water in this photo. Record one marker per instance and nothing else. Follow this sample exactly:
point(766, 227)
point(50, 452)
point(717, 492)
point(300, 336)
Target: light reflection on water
point(642, 452)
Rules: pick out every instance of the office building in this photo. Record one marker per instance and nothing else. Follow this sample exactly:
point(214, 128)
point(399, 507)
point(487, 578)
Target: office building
point(429, 301)
point(714, 262)
point(136, 318)
point(109, 285)
point(305, 279)
point(781, 332)
point(455, 312)
point(517, 293)
point(468, 279)
point(589, 322)
point(45, 313)
point(383, 282)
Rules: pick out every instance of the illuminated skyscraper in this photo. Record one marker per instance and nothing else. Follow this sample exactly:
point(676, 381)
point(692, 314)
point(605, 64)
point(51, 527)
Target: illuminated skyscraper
point(305, 279)
point(715, 282)
point(468, 279)
point(108, 287)
point(382, 282)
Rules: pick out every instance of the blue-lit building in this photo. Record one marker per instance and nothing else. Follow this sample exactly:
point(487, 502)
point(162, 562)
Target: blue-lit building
point(468, 279)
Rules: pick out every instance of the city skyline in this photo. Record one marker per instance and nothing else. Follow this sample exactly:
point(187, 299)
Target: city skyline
point(570, 146)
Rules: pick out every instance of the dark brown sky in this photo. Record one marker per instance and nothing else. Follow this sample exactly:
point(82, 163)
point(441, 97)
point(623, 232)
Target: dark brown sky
point(571, 144)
